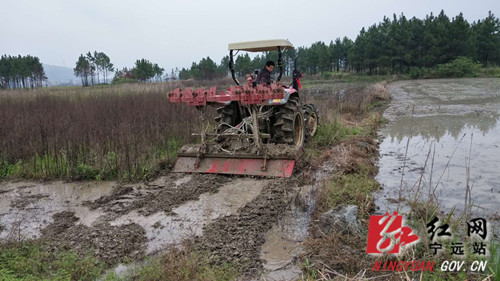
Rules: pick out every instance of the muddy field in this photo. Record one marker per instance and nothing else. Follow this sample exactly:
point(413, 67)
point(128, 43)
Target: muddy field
point(228, 216)
point(262, 224)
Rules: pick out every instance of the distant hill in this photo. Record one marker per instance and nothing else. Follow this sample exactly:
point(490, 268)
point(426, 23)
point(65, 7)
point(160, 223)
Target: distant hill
point(60, 75)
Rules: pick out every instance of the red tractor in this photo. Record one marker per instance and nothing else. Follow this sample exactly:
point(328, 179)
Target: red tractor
point(261, 129)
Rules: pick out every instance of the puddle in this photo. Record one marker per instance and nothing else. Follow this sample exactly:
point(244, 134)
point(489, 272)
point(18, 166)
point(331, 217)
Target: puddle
point(165, 180)
point(165, 230)
point(27, 207)
point(454, 125)
point(284, 241)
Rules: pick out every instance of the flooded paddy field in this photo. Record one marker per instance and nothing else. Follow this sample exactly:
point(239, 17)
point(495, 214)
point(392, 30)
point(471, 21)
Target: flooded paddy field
point(442, 140)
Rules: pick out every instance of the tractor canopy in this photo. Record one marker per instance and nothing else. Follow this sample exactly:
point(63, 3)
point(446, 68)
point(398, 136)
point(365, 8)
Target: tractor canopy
point(261, 45)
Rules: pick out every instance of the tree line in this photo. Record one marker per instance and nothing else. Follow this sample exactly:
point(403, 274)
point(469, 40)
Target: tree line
point(21, 72)
point(91, 65)
point(390, 47)
point(397, 45)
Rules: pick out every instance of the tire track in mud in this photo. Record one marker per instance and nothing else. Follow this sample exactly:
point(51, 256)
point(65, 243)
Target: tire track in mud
point(238, 238)
point(152, 198)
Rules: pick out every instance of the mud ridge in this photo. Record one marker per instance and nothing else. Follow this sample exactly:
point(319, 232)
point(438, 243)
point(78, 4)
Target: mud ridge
point(149, 199)
point(238, 238)
point(111, 244)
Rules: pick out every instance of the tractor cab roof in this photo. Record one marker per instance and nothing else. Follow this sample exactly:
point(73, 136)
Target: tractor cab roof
point(261, 45)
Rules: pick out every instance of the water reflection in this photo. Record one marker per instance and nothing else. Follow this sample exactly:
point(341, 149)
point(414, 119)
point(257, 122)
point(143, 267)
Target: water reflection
point(437, 126)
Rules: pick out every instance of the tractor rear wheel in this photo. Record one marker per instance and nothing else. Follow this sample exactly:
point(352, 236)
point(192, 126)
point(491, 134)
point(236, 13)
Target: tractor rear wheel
point(229, 115)
point(289, 126)
point(311, 119)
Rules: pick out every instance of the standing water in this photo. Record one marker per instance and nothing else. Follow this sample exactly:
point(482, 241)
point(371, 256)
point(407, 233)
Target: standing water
point(442, 139)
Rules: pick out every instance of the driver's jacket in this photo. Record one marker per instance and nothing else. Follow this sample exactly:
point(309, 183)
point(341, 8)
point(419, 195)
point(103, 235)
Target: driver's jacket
point(264, 77)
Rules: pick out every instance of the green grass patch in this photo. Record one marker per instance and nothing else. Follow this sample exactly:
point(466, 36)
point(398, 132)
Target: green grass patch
point(8, 170)
point(332, 132)
point(179, 265)
point(349, 189)
point(31, 260)
point(494, 262)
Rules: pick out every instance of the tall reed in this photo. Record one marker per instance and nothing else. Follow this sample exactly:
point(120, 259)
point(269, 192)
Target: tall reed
point(92, 133)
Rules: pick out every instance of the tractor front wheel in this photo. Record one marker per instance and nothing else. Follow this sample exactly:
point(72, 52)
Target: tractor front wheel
point(311, 119)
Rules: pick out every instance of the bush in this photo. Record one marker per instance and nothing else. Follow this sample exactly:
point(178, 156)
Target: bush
point(415, 72)
point(7, 169)
point(460, 67)
point(123, 80)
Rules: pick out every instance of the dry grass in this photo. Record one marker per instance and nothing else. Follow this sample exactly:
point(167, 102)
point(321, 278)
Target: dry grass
point(362, 101)
point(99, 132)
point(219, 83)
point(338, 252)
point(352, 156)
point(334, 100)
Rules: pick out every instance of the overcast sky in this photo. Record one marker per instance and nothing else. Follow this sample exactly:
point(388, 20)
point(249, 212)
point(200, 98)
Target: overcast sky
point(174, 33)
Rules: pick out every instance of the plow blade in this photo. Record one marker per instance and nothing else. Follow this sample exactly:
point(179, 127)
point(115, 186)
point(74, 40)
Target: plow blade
point(235, 166)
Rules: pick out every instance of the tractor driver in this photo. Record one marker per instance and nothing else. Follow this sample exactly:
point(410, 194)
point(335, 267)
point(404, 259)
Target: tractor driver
point(264, 76)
